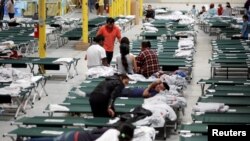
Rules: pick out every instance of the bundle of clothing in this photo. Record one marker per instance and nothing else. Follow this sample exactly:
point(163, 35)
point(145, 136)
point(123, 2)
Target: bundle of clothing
point(10, 74)
point(150, 29)
point(183, 19)
point(100, 71)
point(210, 107)
point(19, 81)
point(186, 44)
point(160, 11)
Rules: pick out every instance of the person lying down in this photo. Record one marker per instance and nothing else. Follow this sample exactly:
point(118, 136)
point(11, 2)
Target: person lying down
point(153, 89)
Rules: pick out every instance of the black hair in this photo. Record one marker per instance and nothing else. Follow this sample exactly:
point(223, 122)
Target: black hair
point(125, 40)
point(228, 5)
point(146, 44)
point(12, 1)
point(99, 38)
point(122, 76)
point(126, 132)
point(110, 20)
point(166, 85)
point(245, 17)
point(124, 50)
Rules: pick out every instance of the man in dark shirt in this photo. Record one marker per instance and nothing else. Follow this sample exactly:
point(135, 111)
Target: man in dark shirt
point(150, 13)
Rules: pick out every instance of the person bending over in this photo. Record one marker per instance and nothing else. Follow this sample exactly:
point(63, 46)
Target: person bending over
point(103, 96)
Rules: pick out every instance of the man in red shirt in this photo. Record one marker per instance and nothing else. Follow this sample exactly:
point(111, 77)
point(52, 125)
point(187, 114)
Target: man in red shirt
point(110, 33)
point(220, 10)
point(147, 60)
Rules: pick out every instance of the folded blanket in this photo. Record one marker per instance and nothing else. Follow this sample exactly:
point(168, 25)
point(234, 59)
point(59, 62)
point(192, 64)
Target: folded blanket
point(56, 107)
point(63, 60)
point(210, 107)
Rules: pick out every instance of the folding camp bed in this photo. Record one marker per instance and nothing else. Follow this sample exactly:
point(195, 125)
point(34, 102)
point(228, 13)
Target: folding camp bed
point(81, 105)
point(228, 88)
point(233, 110)
point(228, 42)
point(214, 81)
point(240, 66)
point(48, 64)
point(63, 121)
point(193, 138)
point(221, 118)
point(221, 93)
point(119, 101)
point(26, 133)
point(231, 101)
point(95, 83)
point(230, 61)
point(231, 56)
point(20, 100)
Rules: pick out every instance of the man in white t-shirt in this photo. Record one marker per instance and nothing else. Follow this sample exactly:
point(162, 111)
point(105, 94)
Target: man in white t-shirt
point(96, 55)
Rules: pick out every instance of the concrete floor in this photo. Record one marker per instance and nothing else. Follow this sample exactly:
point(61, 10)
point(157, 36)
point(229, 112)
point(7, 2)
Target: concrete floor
point(57, 90)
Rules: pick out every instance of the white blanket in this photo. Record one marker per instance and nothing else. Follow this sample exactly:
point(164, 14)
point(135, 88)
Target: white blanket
point(210, 107)
point(56, 107)
point(142, 133)
point(141, 78)
point(63, 60)
point(100, 71)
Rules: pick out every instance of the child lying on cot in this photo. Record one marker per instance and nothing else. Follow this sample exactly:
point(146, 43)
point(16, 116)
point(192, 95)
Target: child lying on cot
point(153, 89)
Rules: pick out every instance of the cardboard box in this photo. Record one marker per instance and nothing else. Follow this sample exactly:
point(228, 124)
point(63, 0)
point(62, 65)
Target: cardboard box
point(81, 46)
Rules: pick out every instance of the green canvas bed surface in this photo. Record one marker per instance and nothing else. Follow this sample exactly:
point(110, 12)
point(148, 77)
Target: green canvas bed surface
point(228, 93)
point(193, 128)
point(176, 63)
point(95, 83)
point(220, 81)
point(228, 42)
point(235, 110)
point(120, 101)
point(40, 131)
point(232, 51)
point(194, 138)
point(216, 48)
point(237, 88)
point(232, 56)
point(64, 121)
point(221, 118)
point(229, 61)
point(230, 46)
point(233, 101)
point(165, 59)
point(85, 108)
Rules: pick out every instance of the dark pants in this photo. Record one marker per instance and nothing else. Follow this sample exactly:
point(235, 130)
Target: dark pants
point(109, 56)
point(99, 105)
point(11, 15)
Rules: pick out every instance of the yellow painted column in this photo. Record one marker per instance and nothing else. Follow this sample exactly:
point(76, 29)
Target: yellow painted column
point(85, 32)
point(141, 8)
point(111, 11)
point(114, 8)
point(59, 6)
point(128, 12)
point(42, 28)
